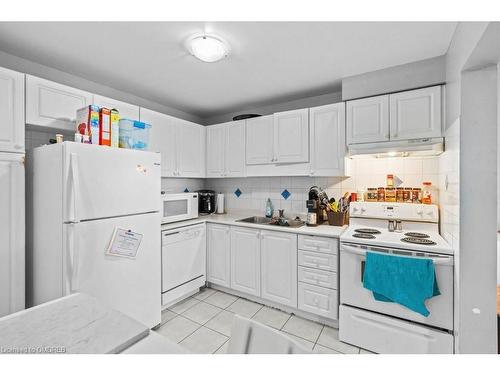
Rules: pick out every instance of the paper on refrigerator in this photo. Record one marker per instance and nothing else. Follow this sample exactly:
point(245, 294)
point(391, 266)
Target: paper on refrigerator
point(124, 243)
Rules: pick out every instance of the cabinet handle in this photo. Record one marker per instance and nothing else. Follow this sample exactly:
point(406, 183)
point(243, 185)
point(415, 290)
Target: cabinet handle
point(312, 172)
point(18, 146)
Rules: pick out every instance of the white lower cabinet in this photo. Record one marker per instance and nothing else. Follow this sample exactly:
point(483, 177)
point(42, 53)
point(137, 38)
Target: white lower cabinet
point(318, 276)
point(318, 300)
point(279, 267)
point(219, 254)
point(12, 274)
point(245, 260)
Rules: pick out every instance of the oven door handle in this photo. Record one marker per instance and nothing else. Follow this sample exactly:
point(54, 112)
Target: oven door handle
point(442, 260)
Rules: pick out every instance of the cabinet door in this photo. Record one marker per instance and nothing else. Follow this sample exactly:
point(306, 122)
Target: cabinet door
point(218, 257)
point(279, 267)
point(235, 149)
point(368, 120)
point(327, 135)
point(12, 280)
point(162, 139)
point(245, 260)
point(259, 140)
point(190, 149)
point(128, 111)
point(52, 104)
point(216, 145)
point(416, 114)
point(11, 111)
point(291, 136)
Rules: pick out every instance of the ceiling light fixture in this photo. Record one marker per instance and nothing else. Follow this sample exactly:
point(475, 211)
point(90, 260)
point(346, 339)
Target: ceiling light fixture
point(208, 48)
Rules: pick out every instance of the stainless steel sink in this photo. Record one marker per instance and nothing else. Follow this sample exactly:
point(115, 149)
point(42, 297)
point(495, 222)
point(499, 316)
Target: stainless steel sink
point(268, 221)
point(256, 220)
point(290, 223)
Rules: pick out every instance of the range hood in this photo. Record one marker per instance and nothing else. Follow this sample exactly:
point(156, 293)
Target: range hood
point(410, 147)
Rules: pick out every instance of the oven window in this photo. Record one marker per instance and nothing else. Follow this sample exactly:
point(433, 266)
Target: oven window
point(175, 208)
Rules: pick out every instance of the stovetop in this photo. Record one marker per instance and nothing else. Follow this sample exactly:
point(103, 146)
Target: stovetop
point(418, 240)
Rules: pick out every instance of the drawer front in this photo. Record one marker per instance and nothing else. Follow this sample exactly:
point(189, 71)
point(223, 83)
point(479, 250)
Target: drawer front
point(326, 262)
point(318, 300)
point(321, 244)
point(386, 335)
point(317, 277)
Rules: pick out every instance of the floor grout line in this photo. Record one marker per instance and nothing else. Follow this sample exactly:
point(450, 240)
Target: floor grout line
point(317, 339)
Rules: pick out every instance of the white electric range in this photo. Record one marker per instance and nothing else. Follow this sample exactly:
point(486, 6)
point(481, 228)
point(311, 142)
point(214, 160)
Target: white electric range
point(397, 229)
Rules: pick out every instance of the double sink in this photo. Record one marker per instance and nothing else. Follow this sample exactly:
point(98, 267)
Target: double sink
point(262, 220)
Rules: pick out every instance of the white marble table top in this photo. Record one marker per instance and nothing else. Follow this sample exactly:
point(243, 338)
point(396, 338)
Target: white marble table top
point(73, 324)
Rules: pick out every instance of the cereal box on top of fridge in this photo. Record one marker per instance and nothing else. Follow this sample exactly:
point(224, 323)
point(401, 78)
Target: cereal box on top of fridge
point(87, 119)
point(115, 127)
point(105, 127)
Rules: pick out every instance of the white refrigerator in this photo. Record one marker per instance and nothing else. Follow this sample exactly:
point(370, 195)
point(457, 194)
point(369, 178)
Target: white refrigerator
point(81, 194)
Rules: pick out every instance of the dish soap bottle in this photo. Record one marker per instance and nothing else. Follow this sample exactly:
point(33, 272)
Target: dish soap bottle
point(269, 208)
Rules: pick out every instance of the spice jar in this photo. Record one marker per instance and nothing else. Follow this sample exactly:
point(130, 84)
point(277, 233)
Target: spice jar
point(390, 195)
point(407, 195)
point(381, 194)
point(400, 195)
point(371, 195)
point(390, 180)
point(427, 193)
point(416, 195)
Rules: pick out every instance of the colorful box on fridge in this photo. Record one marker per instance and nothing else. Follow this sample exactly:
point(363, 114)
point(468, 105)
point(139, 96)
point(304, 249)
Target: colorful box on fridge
point(105, 127)
point(87, 122)
point(115, 127)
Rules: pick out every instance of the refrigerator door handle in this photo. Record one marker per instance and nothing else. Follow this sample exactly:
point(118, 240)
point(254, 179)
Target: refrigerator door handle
point(73, 260)
point(75, 179)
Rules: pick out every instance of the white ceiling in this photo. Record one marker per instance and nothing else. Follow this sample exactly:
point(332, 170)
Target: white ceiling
point(269, 61)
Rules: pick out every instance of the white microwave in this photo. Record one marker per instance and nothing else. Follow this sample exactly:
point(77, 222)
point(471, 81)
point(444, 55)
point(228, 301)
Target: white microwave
point(177, 207)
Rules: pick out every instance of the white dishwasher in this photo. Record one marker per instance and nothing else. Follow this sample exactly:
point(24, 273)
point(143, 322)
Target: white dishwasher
point(183, 262)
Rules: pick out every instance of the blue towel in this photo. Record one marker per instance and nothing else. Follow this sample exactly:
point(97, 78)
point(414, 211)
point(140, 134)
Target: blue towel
point(404, 280)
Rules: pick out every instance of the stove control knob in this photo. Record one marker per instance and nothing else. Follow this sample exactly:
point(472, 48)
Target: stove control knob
point(354, 209)
point(430, 213)
point(363, 209)
point(420, 211)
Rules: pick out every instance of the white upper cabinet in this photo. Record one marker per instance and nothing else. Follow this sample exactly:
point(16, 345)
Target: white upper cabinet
point(245, 260)
point(327, 136)
point(226, 149)
point(259, 140)
point(368, 120)
point(181, 143)
point(291, 136)
point(52, 104)
point(279, 267)
point(126, 110)
point(162, 139)
point(11, 111)
point(190, 149)
point(235, 149)
point(218, 254)
point(416, 114)
point(216, 142)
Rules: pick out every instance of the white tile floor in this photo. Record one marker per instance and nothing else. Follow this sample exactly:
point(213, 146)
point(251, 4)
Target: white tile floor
point(202, 324)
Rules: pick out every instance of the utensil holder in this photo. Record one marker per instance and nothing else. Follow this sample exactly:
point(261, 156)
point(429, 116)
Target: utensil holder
point(338, 219)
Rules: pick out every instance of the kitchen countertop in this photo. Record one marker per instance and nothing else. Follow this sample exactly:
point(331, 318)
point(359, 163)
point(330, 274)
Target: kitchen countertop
point(323, 230)
point(77, 323)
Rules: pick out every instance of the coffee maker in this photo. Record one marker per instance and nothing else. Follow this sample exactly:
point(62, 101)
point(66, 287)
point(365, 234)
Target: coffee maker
point(206, 202)
point(315, 210)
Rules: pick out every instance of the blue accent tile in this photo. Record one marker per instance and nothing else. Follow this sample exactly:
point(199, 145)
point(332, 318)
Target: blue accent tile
point(237, 192)
point(286, 194)
point(186, 190)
